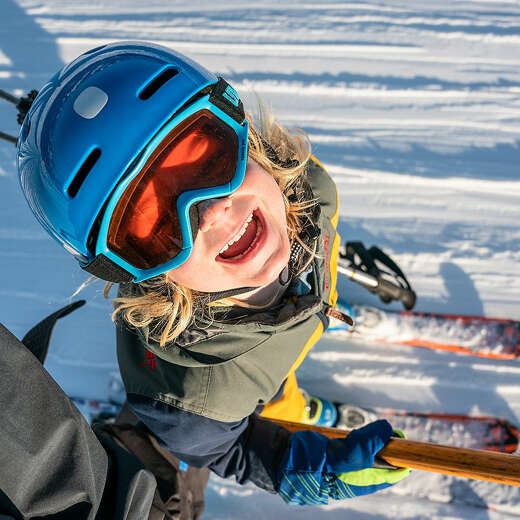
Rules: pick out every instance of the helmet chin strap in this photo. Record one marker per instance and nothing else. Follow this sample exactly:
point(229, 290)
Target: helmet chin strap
point(283, 279)
point(214, 296)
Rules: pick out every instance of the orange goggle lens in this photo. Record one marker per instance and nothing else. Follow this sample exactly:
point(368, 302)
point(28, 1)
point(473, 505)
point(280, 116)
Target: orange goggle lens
point(201, 152)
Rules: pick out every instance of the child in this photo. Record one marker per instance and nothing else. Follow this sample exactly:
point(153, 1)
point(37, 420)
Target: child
point(144, 166)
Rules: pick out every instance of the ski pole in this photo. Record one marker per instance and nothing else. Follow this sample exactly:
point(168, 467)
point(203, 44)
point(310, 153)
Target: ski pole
point(14, 100)
point(9, 97)
point(503, 468)
point(23, 104)
point(379, 285)
point(7, 137)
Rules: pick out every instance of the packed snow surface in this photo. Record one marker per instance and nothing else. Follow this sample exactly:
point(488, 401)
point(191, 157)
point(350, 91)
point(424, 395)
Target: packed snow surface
point(413, 107)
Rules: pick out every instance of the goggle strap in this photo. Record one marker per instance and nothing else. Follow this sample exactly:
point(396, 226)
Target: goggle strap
point(224, 96)
point(104, 268)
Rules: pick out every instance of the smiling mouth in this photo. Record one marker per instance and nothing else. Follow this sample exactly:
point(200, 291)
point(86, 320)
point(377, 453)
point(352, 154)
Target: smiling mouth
point(244, 241)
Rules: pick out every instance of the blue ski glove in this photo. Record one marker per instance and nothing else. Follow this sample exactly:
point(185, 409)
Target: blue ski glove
point(316, 468)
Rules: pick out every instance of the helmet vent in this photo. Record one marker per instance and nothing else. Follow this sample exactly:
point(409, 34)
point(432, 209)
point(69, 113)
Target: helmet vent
point(83, 171)
point(149, 90)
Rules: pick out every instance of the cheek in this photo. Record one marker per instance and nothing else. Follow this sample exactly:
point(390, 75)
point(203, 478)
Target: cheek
point(186, 274)
point(277, 206)
point(176, 275)
point(263, 183)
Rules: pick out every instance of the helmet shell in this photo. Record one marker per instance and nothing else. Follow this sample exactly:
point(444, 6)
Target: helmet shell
point(93, 105)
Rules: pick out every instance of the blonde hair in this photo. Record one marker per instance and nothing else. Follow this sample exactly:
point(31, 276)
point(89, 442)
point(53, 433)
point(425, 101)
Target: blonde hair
point(162, 309)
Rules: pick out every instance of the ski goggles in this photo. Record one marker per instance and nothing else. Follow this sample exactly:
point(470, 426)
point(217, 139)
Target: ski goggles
point(150, 221)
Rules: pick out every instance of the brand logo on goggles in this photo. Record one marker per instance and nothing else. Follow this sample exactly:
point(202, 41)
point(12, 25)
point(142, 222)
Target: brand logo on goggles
point(231, 95)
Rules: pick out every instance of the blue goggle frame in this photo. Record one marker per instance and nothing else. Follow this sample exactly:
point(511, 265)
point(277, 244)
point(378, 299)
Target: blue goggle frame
point(184, 201)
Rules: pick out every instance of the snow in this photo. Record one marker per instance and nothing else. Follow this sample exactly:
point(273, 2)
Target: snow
point(414, 108)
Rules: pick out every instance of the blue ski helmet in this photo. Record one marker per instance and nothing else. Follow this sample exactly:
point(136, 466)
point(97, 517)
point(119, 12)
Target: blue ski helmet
point(92, 127)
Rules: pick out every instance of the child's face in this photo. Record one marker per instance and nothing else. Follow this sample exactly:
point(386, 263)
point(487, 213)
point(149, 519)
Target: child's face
point(261, 249)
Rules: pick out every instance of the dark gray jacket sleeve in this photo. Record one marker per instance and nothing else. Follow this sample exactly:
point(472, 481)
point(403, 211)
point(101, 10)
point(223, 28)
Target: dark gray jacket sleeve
point(250, 449)
point(51, 462)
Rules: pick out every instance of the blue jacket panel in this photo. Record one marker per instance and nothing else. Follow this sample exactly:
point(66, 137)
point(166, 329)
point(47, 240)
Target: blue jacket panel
point(250, 449)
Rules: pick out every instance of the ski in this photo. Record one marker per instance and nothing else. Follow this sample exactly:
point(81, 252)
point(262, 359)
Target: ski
point(463, 431)
point(475, 335)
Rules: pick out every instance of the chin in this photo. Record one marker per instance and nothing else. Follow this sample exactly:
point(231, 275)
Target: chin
point(271, 270)
point(261, 281)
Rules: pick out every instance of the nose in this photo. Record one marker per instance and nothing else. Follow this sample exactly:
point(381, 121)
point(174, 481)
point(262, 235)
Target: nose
point(213, 211)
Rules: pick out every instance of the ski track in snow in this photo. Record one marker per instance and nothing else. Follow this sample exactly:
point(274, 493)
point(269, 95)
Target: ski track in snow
point(415, 111)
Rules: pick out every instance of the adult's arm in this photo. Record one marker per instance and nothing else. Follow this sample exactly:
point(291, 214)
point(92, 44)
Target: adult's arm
point(51, 462)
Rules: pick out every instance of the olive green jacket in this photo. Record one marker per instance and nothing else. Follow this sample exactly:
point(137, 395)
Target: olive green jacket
point(222, 369)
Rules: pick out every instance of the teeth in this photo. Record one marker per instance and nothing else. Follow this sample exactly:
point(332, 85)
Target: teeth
point(238, 236)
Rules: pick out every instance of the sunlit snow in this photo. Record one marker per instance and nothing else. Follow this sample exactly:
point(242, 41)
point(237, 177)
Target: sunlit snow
point(414, 108)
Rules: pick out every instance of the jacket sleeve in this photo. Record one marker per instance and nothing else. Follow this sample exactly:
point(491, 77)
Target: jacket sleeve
point(52, 464)
point(250, 449)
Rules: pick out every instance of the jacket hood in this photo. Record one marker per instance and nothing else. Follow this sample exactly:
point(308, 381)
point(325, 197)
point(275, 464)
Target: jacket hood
point(231, 334)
